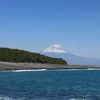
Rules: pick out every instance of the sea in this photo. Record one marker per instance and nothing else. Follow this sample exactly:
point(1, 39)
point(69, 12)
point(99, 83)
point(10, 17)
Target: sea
point(50, 85)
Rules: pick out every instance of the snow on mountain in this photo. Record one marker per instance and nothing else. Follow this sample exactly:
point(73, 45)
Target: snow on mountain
point(72, 59)
point(54, 49)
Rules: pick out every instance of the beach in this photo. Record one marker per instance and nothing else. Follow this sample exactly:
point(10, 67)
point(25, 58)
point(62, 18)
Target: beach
point(28, 66)
point(35, 81)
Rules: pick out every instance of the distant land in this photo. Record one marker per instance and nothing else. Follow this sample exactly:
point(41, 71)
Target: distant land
point(72, 59)
point(15, 59)
point(22, 56)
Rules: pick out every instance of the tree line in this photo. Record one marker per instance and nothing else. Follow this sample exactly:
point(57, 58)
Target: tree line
point(16, 55)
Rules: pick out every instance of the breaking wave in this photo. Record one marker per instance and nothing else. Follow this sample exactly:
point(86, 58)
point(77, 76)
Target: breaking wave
point(29, 70)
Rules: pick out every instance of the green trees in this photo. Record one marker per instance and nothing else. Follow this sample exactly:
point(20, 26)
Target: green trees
point(15, 55)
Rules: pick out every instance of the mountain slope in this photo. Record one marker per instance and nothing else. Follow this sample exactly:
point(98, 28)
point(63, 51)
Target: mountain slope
point(72, 59)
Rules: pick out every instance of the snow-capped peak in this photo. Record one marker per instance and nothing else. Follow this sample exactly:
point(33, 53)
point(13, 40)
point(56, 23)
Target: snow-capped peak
point(54, 48)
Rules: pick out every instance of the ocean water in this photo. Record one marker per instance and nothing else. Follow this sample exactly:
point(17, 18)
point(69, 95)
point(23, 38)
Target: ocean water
point(50, 85)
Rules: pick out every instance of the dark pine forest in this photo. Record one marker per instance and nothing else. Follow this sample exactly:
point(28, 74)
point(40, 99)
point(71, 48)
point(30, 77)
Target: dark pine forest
point(16, 55)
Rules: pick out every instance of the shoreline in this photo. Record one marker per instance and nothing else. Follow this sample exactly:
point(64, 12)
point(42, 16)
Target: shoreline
point(9, 66)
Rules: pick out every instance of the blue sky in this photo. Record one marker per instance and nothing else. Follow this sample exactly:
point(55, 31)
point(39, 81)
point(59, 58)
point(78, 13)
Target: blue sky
point(35, 24)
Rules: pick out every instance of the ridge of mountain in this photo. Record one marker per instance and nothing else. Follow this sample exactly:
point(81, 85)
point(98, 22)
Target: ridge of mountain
point(72, 59)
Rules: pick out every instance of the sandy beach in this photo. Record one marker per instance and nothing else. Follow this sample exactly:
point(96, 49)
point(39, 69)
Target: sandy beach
point(25, 66)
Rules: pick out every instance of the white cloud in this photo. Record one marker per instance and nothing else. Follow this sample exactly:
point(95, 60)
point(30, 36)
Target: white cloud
point(57, 46)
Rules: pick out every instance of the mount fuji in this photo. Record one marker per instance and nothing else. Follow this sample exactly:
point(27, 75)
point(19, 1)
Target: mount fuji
point(72, 59)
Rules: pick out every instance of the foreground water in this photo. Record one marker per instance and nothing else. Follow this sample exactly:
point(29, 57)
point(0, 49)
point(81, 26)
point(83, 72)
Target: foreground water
point(50, 85)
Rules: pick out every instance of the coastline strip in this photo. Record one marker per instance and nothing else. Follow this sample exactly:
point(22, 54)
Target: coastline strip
point(8, 66)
